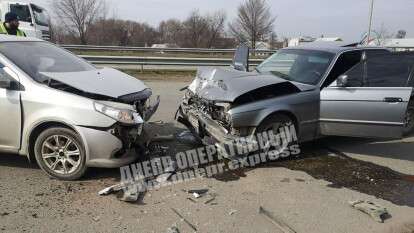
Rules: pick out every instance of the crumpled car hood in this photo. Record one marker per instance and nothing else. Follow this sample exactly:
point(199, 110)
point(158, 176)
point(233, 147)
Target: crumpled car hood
point(107, 82)
point(226, 84)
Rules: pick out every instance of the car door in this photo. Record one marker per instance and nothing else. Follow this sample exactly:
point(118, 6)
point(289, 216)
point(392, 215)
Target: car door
point(372, 103)
point(10, 111)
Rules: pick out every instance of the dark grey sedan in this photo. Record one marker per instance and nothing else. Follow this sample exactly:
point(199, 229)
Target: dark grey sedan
point(323, 89)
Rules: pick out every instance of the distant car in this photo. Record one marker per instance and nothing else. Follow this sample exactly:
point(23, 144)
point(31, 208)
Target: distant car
point(322, 88)
point(64, 113)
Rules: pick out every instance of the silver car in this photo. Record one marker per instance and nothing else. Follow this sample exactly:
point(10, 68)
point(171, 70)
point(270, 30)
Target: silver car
point(322, 88)
point(64, 113)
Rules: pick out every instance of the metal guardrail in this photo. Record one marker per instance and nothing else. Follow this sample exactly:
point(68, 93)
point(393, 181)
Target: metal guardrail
point(167, 61)
point(147, 49)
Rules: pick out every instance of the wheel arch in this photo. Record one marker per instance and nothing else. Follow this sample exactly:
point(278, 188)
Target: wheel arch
point(287, 113)
point(37, 130)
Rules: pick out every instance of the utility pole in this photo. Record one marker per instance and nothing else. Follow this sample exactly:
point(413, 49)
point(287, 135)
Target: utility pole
point(370, 21)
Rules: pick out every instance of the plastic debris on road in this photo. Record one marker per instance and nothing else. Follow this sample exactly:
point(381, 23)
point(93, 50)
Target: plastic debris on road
point(376, 212)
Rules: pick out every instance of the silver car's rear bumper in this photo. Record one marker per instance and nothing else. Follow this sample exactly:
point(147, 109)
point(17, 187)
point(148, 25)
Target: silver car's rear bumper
point(104, 149)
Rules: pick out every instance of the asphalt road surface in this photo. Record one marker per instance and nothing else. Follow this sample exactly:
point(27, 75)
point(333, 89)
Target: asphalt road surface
point(309, 193)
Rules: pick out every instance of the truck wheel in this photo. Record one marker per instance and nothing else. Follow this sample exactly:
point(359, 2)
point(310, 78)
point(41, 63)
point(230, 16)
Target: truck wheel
point(61, 154)
point(273, 123)
point(409, 120)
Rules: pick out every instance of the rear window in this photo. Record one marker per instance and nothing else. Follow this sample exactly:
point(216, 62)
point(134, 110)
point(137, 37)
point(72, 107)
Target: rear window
point(388, 71)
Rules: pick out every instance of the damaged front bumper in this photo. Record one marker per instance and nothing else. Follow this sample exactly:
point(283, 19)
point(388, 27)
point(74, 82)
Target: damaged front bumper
point(202, 125)
point(118, 145)
point(104, 149)
point(208, 131)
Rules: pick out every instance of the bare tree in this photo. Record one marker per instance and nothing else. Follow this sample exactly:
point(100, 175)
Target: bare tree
point(215, 27)
point(195, 29)
point(78, 15)
point(171, 31)
point(254, 22)
point(382, 35)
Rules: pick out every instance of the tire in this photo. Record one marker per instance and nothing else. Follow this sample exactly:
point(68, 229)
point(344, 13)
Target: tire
point(409, 120)
point(64, 161)
point(273, 123)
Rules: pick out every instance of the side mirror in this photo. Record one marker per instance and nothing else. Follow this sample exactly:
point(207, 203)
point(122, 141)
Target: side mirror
point(6, 80)
point(241, 58)
point(9, 85)
point(5, 84)
point(342, 81)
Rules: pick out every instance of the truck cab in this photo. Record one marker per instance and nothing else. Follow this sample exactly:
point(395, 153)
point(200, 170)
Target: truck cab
point(34, 20)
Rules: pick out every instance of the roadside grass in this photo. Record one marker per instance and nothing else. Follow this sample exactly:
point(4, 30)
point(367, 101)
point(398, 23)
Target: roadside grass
point(162, 75)
point(152, 54)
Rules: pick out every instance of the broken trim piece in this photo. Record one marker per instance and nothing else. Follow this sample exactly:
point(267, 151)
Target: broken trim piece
point(376, 212)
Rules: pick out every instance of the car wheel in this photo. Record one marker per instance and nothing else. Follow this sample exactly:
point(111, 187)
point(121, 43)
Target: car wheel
point(61, 154)
point(409, 120)
point(273, 123)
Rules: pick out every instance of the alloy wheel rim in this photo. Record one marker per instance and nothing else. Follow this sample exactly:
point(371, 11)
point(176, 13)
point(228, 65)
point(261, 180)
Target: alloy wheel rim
point(61, 154)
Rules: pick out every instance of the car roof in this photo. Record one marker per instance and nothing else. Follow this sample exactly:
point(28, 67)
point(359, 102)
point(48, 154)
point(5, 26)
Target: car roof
point(333, 47)
point(8, 38)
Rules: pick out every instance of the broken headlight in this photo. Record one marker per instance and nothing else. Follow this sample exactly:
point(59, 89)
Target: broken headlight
point(121, 115)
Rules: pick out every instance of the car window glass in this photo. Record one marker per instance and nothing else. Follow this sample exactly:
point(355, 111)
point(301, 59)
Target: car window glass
point(304, 66)
point(388, 71)
point(22, 11)
point(344, 63)
point(283, 61)
point(373, 53)
point(4, 76)
point(355, 75)
point(37, 57)
point(40, 16)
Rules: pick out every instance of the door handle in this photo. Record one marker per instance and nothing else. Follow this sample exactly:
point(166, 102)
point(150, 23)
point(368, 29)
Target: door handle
point(393, 99)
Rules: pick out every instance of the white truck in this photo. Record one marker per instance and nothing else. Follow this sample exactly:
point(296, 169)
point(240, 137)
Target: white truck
point(34, 20)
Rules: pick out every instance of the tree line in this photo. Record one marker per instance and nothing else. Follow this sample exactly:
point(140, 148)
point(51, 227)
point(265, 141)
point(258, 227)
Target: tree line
point(87, 22)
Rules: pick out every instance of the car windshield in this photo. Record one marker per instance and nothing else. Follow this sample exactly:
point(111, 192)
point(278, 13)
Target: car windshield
point(37, 57)
point(304, 66)
point(22, 11)
point(40, 16)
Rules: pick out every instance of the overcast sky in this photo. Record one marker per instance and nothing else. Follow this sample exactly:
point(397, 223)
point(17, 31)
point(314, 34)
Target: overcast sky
point(347, 19)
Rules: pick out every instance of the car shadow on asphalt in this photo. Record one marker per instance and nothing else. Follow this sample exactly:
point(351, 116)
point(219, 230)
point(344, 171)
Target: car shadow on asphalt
point(17, 161)
point(393, 149)
point(341, 171)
